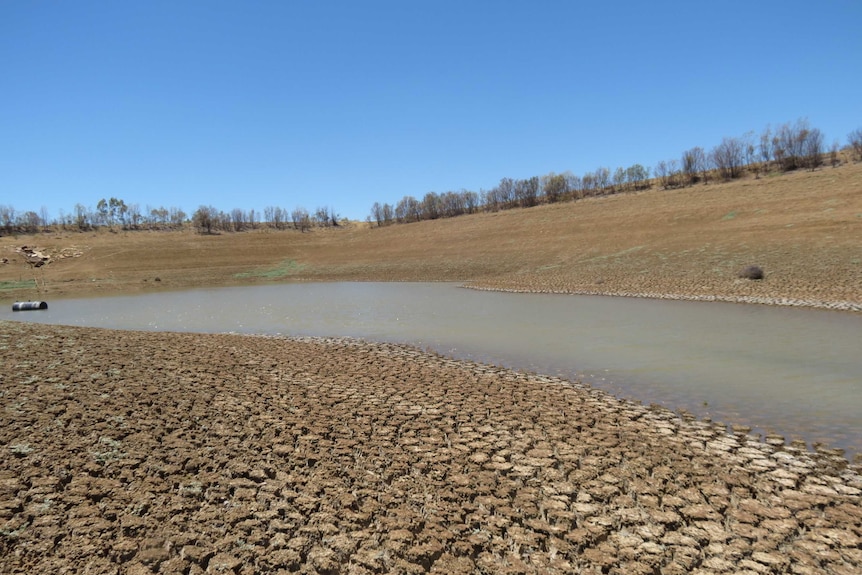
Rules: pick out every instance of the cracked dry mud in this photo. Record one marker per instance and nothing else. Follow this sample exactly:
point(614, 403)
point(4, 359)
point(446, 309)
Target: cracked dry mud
point(136, 452)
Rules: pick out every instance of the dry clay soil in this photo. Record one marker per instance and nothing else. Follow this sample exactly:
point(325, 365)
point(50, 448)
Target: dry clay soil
point(133, 452)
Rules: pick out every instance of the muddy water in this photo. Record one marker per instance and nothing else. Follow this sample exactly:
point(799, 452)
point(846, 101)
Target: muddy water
point(796, 372)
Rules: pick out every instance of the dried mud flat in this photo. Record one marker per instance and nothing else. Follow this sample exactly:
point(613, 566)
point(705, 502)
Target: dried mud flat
point(136, 452)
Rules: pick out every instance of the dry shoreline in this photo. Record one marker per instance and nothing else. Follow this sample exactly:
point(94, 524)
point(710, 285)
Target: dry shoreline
point(804, 229)
point(141, 452)
point(850, 306)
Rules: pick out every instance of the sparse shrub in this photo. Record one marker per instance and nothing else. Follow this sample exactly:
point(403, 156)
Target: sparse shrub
point(752, 273)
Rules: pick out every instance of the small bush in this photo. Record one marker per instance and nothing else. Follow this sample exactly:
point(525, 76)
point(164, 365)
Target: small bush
point(752, 273)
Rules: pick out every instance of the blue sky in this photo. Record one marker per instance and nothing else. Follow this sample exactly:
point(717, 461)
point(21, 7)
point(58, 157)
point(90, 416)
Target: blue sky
point(341, 104)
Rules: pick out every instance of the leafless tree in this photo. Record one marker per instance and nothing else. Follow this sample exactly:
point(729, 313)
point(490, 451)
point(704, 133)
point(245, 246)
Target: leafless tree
point(452, 204)
point(674, 173)
point(589, 184)
point(854, 138)
point(158, 216)
point(693, 165)
point(377, 214)
point(555, 187)
point(812, 149)
point(662, 174)
point(471, 201)
point(431, 206)
point(602, 177)
point(321, 217)
point(269, 215)
point(205, 219)
point(301, 220)
point(767, 149)
point(134, 216)
point(790, 144)
point(620, 179)
point(750, 151)
point(490, 199)
point(7, 219)
point(224, 221)
point(778, 151)
point(834, 159)
point(325, 217)
point(506, 192)
point(276, 217)
point(82, 218)
point(177, 216)
point(575, 184)
point(637, 176)
point(237, 218)
point(408, 209)
point(527, 192)
point(28, 222)
point(728, 158)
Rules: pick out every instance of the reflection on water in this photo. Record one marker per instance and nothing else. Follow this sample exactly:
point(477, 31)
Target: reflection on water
point(794, 371)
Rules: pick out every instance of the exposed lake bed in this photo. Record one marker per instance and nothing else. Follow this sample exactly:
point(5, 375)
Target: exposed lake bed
point(191, 452)
point(793, 372)
point(158, 451)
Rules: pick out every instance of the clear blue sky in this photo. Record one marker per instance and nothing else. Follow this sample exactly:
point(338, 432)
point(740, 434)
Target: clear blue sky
point(248, 104)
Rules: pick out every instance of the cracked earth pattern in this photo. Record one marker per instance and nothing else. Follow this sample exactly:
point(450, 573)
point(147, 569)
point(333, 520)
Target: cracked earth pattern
point(139, 453)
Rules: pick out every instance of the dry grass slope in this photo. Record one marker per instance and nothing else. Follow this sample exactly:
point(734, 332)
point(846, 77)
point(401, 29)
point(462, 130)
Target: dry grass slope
point(139, 452)
point(804, 229)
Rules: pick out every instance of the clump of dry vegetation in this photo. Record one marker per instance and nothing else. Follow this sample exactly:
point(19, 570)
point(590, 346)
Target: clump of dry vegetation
point(751, 273)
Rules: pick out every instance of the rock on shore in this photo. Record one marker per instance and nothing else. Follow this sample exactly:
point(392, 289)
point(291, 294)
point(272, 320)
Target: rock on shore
point(137, 452)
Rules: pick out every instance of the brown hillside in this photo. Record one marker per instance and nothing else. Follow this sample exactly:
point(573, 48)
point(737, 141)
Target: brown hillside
point(804, 229)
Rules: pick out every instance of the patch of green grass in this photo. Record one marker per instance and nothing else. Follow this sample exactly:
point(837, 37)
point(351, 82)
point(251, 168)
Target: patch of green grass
point(17, 285)
point(729, 216)
point(285, 268)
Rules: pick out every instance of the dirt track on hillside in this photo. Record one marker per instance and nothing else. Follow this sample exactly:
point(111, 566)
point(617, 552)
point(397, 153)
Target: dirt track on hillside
point(132, 452)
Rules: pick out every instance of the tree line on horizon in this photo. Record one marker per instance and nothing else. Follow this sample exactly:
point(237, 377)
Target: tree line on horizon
point(788, 147)
point(115, 213)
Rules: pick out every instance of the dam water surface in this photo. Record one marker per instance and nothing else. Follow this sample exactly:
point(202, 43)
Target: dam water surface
point(797, 372)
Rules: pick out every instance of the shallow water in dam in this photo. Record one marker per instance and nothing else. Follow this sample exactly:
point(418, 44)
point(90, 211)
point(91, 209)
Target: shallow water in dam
point(797, 372)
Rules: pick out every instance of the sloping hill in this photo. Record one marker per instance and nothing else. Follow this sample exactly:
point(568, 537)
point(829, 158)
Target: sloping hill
point(803, 228)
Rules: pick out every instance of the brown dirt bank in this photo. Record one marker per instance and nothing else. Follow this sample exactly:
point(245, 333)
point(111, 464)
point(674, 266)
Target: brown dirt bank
point(803, 228)
point(135, 452)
